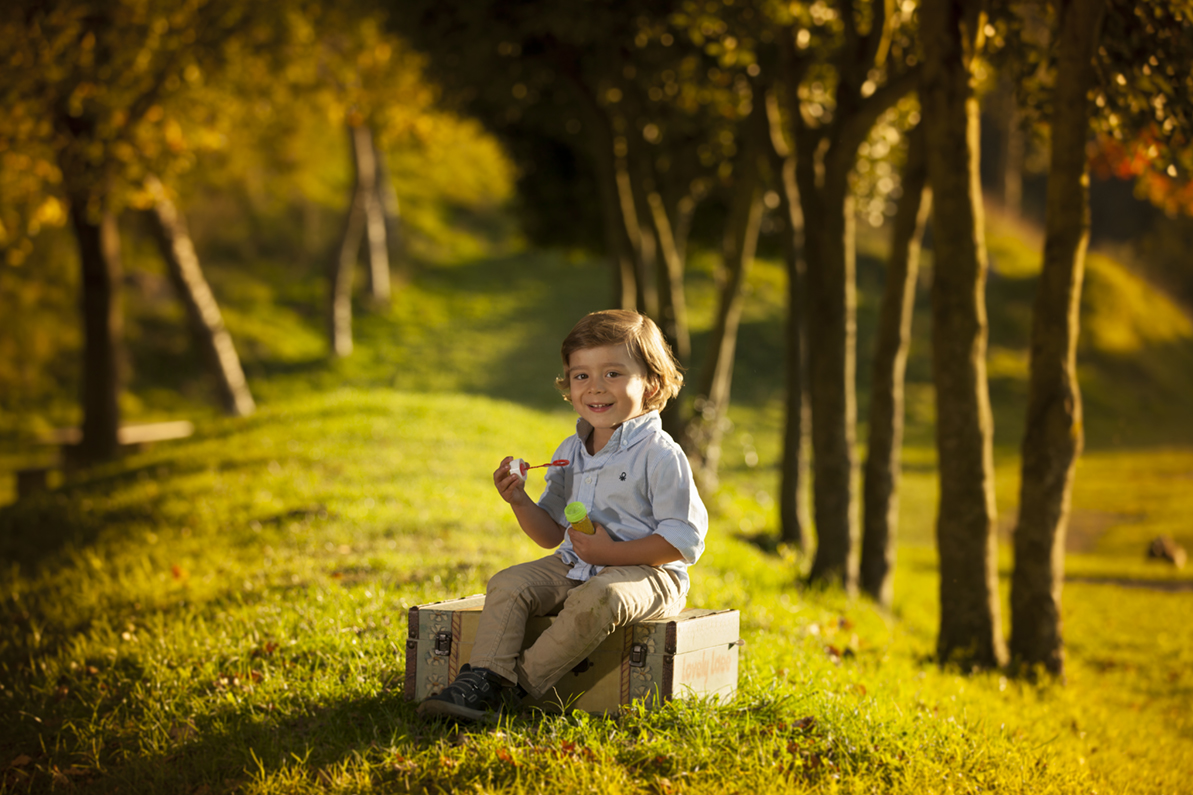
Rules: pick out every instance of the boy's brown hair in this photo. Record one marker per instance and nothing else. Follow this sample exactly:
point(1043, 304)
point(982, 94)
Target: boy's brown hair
point(645, 342)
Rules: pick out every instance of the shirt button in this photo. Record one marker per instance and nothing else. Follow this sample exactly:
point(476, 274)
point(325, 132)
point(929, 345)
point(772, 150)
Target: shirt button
point(588, 480)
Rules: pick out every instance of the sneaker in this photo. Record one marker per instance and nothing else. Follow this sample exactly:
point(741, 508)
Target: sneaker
point(476, 695)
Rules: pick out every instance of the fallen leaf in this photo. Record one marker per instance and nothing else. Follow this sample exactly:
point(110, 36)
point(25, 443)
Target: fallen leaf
point(21, 761)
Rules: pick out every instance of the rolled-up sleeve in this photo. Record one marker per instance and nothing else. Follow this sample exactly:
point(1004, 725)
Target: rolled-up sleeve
point(677, 507)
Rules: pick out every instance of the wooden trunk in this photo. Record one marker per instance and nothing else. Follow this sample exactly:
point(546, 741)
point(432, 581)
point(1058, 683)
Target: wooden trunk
point(692, 654)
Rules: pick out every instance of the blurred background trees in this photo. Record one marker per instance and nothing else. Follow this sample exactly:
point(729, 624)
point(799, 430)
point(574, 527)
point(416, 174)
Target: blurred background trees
point(307, 141)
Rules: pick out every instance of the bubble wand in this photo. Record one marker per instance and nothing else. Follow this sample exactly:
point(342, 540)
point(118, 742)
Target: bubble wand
point(520, 468)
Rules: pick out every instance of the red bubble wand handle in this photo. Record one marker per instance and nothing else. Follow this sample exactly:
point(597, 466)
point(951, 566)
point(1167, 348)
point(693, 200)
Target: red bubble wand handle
point(520, 468)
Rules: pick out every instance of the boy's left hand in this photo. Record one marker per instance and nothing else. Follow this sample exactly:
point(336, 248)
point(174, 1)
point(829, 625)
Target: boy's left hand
point(593, 548)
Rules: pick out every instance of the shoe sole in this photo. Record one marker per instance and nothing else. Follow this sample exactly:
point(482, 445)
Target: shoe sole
point(434, 708)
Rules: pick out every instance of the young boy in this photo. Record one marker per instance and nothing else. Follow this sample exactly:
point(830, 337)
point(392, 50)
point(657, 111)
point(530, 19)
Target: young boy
point(650, 523)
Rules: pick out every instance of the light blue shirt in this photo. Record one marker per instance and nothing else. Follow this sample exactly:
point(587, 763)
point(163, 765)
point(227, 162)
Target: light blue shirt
point(638, 484)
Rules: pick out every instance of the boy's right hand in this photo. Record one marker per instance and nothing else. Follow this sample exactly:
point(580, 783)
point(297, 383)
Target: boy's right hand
point(511, 487)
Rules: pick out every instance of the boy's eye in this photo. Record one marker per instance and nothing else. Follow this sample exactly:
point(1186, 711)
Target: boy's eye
point(612, 374)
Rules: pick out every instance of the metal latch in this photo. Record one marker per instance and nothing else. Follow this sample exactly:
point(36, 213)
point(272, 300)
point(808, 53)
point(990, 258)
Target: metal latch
point(638, 655)
point(443, 644)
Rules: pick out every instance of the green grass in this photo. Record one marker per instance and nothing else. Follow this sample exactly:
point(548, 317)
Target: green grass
point(227, 613)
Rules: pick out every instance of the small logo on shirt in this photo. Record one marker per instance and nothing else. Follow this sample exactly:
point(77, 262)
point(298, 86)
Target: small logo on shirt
point(622, 476)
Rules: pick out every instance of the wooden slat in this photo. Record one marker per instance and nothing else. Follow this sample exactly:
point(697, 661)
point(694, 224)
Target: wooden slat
point(129, 434)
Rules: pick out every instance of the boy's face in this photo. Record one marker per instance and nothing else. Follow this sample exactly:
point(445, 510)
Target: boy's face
point(607, 385)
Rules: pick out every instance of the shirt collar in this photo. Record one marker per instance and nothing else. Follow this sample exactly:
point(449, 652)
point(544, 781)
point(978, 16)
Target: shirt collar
point(627, 434)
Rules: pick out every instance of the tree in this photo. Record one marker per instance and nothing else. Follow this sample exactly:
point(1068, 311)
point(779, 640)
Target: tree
point(843, 68)
point(880, 490)
point(793, 504)
point(705, 431)
point(367, 79)
point(365, 218)
point(206, 321)
point(1135, 71)
point(652, 99)
point(106, 89)
point(970, 627)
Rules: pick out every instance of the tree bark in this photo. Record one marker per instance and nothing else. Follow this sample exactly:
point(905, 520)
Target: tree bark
point(632, 201)
point(1012, 149)
point(206, 321)
point(392, 211)
point(673, 306)
point(620, 233)
point(832, 363)
point(970, 631)
point(1053, 438)
point(825, 156)
point(793, 501)
point(706, 429)
point(368, 188)
point(880, 490)
point(340, 278)
point(103, 331)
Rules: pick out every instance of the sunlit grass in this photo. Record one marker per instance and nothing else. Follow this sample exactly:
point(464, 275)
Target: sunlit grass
point(227, 613)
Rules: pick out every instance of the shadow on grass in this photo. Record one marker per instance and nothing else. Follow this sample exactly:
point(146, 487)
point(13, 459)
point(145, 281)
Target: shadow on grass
point(307, 747)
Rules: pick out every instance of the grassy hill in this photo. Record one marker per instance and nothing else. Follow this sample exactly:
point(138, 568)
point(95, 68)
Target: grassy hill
point(227, 613)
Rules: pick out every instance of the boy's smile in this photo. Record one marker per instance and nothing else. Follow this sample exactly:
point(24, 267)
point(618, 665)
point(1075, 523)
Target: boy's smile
point(607, 386)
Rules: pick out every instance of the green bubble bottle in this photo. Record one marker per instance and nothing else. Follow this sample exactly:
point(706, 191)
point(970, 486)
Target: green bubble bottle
point(577, 515)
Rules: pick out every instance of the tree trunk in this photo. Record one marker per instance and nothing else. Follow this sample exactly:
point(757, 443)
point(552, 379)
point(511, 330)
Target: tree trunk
point(206, 321)
point(340, 278)
point(970, 631)
point(625, 281)
point(619, 237)
point(392, 211)
point(1012, 149)
point(103, 332)
point(367, 187)
point(633, 204)
point(1053, 438)
point(673, 307)
point(706, 429)
point(880, 491)
point(832, 363)
point(825, 157)
point(793, 501)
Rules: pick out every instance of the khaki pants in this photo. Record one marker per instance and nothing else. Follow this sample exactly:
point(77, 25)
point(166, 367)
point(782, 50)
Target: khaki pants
point(588, 613)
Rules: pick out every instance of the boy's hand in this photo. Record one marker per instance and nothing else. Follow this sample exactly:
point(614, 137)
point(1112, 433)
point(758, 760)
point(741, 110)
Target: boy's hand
point(593, 548)
point(511, 487)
